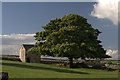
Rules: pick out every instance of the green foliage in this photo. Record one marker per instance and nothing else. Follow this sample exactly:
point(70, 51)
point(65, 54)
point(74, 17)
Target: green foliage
point(70, 36)
point(37, 49)
point(110, 62)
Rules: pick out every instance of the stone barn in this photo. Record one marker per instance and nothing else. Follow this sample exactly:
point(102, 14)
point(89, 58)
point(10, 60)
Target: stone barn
point(25, 57)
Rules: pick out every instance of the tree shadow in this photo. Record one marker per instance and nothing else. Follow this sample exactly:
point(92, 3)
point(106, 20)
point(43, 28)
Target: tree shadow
point(43, 68)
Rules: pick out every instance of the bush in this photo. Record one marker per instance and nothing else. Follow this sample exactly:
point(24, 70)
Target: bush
point(110, 62)
point(75, 65)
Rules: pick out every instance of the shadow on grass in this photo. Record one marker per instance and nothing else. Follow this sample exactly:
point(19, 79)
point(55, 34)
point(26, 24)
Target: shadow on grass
point(43, 68)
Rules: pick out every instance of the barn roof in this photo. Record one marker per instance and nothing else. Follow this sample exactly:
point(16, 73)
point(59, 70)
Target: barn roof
point(28, 46)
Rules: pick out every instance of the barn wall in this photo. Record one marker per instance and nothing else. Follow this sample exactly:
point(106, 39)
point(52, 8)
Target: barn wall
point(33, 58)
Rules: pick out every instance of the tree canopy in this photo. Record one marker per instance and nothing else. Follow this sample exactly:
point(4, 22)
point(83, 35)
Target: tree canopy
point(70, 36)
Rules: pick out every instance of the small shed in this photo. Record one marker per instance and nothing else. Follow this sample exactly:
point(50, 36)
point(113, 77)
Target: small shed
point(25, 57)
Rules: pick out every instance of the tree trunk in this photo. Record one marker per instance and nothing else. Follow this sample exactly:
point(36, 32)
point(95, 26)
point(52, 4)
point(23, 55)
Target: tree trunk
point(71, 62)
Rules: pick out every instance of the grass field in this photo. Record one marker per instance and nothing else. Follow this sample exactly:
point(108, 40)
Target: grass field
point(36, 70)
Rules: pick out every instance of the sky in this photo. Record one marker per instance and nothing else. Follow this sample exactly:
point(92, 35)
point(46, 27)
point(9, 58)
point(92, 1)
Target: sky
point(21, 20)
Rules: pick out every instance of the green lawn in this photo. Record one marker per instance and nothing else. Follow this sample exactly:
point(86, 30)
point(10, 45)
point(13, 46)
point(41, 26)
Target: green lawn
point(37, 70)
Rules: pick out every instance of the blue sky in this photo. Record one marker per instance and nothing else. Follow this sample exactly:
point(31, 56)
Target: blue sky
point(28, 17)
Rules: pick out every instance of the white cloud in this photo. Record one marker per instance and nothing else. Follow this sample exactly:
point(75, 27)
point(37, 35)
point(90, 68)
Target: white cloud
point(17, 36)
point(11, 43)
point(106, 9)
point(113, 54)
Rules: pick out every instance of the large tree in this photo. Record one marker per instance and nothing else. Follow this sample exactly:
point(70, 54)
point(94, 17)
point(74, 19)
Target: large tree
point(70, 36)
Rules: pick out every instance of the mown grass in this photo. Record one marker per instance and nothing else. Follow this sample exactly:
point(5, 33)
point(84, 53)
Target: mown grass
point(37, 70)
